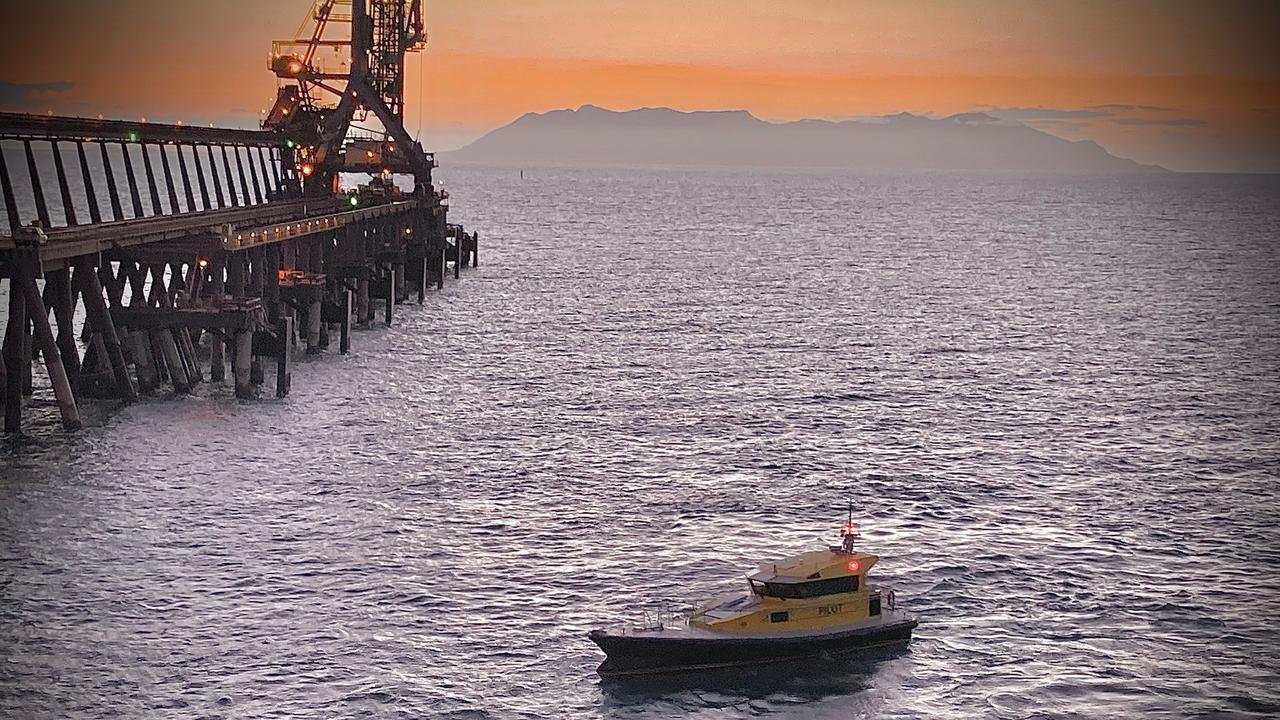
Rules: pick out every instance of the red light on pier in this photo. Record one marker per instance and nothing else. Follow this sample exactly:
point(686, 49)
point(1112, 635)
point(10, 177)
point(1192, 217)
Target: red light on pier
point(854, 566)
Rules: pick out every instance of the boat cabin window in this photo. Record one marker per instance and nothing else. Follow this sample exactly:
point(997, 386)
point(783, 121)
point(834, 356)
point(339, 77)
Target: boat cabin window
point(815, 588)
point(779, 616)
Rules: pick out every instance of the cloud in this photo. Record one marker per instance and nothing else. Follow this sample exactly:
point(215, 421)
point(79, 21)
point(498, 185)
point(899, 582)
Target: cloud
point(1113, 109)
point(1168, 122)
point(1057, 124)
point(1077, 118)
point(24, 95)
point(1046, 114)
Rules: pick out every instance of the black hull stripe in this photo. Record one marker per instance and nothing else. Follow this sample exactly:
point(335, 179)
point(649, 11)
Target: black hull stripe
point(631, 655)
point(610, 672)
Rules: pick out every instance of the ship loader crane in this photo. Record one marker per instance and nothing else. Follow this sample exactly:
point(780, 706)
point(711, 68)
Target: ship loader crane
point(323, 105)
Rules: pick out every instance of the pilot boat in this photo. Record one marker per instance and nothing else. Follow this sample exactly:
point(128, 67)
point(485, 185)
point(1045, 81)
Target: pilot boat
point(816, 603)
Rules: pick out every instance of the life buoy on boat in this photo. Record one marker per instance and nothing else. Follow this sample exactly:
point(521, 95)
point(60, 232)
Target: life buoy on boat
point(890, 599)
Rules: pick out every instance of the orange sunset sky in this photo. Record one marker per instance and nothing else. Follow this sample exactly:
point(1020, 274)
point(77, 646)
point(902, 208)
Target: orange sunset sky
point(1188, 85)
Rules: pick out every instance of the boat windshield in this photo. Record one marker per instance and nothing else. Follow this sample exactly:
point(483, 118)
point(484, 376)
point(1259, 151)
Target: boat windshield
point(815, 588)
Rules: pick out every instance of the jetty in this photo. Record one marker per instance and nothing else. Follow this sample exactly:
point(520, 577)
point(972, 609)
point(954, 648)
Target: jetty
point(145, 258)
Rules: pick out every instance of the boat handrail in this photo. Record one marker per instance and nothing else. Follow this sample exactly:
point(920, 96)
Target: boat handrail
point(658, 618)
point(888, 596)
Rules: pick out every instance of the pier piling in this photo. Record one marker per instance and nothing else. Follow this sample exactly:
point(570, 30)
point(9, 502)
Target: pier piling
point(344, 339)
point(52, 358)
point(173, 360)
point(245, 389)
point(98, 317)
point(391, 292)
point(217, 347)
point(15, 331)
point(57, 288)
point(148, 379)
point(284, 378)
point(314, 324)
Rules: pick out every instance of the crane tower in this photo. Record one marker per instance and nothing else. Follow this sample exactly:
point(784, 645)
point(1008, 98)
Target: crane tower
point(341, 101)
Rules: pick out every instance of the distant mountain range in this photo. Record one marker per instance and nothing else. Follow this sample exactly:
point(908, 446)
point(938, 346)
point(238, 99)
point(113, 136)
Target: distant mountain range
point(663, 137)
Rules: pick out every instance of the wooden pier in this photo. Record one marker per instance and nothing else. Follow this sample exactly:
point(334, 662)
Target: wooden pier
point(186, 248)
point(174, 275)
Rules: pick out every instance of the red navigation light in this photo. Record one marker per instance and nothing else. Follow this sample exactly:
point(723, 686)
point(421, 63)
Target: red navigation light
point(854, 566)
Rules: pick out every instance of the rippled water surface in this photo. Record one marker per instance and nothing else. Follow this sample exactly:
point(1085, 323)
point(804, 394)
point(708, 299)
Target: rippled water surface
point(1053, 402)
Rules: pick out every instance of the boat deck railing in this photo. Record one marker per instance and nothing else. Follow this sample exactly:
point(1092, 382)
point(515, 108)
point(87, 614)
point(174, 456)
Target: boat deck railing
point(886, 595)
point(660, 618)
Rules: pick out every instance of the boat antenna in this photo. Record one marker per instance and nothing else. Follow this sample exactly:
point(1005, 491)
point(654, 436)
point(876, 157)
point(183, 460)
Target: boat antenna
point(849, 533)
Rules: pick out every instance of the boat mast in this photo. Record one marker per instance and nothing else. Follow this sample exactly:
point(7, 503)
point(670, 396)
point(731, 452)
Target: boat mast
point(849, 533)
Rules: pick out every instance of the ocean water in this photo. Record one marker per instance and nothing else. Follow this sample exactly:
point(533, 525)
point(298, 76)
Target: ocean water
point(1054, 403)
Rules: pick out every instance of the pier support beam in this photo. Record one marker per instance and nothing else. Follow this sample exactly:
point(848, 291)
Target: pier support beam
point(324, 324)
point(313, 323)
point(99, 318)
point(284, 333)
point(44, 340)
point(257, 288)
point(148, 378)
point(257, 373)
point(173, 359)
point(235, 288)
point(157, 355)
point(289, 261)
point(28, 354)
point(391, 291)
point(217, 348)
point(188, 348)
point(422, 281)
point(271, 259)
point(344, 338)
point(13, 339)
point(362, 301)
point(57, 287)
point(245, 390)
